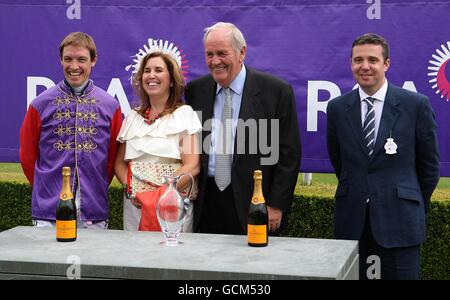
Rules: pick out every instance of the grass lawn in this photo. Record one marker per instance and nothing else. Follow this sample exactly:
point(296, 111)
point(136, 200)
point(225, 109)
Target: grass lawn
point(322, 184)
point(13, 172)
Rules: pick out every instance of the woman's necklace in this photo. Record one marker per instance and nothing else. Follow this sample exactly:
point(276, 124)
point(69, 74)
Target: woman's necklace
point(149, 120)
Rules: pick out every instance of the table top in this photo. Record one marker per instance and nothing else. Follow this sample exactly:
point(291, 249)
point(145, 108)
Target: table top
point(140, 255)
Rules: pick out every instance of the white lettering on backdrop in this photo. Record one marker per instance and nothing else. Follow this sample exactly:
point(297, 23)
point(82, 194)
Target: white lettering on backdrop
point(314, 106)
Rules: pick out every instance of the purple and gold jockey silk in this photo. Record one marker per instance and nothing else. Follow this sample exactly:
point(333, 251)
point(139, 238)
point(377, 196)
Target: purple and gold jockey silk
point(75, 132)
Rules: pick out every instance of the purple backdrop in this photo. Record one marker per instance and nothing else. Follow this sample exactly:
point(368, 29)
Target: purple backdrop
point(307, 43)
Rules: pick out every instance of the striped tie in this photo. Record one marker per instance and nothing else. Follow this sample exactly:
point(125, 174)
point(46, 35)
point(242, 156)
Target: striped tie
point(369, 125)
point(223, 150)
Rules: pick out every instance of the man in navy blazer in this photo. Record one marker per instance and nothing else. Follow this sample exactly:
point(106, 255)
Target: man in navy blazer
point(256, 98)
point(382, 143)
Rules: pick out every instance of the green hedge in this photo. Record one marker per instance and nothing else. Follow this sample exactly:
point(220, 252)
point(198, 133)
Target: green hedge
point(310, 217)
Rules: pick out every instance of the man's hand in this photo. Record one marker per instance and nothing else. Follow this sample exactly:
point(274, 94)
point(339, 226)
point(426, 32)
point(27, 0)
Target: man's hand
point(275, 216)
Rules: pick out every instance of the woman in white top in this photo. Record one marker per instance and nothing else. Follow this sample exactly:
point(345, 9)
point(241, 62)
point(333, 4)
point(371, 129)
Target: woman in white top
point(161, 130)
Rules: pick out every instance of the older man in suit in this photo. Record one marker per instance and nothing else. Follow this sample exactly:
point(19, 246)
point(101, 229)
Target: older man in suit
point(255, 109)
point(382, 143)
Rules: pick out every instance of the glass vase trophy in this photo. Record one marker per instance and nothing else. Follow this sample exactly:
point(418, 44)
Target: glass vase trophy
point(172, 208)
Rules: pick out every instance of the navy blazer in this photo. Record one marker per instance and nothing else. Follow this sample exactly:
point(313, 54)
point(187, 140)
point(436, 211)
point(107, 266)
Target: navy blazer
point(265, 97)
point(399, 185)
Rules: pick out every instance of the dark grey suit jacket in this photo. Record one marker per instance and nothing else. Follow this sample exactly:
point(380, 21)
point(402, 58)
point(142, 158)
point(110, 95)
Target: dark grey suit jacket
point(399, 185)
point(265, 97)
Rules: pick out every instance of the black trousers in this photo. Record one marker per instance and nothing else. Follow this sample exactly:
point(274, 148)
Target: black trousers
point(219, 213)
point(394, 263)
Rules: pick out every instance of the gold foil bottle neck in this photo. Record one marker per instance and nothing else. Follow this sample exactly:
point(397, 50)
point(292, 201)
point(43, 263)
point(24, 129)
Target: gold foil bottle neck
point(66, 171)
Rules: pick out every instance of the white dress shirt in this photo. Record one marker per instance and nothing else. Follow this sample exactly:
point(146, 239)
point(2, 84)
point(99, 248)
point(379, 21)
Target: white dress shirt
point(236, 89)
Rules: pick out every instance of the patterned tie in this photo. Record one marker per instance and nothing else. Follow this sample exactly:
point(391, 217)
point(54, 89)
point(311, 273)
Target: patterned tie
point(369, 125)
point(223, 150)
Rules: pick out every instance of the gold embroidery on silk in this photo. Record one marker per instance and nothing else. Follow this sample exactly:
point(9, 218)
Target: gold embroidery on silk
point(86, 131)
point(86, 116)
point(80, 101)
point(70, 130)
point(59, 115)
point(85, 146)
point(88, 146)
point(61, 146)
point(64, 130)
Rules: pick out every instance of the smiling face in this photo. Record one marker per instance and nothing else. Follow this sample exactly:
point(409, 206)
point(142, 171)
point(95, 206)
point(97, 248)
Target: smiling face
point(156, 78)
point(223, 61)
point(369, 67)
point(77, 64)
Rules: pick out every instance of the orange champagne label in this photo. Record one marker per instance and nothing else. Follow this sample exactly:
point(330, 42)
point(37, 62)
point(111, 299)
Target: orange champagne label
point(66, 229)
point(257, 234)
point(258, 200)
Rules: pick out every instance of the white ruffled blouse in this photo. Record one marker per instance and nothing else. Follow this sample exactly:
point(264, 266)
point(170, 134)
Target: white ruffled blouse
point(160, 139)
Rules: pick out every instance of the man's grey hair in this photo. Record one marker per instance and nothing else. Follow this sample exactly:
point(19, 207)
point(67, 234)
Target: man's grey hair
point(237, 37)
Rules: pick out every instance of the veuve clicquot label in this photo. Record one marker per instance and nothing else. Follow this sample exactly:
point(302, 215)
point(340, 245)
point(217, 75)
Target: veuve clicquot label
point(66, 229)
point(257, 234)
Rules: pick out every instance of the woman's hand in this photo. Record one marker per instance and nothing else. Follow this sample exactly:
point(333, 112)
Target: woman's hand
point(136, 202)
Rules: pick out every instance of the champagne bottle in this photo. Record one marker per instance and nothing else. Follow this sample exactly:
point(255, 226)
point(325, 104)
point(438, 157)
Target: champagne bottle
point(66, 212)
point(257, 225)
